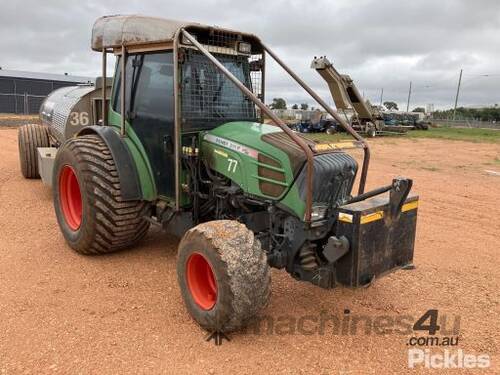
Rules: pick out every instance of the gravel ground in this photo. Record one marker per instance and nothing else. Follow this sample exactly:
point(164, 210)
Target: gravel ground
point(10, 120)
point(65, 313)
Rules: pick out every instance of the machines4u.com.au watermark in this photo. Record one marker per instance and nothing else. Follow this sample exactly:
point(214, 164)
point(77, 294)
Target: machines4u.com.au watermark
point(432, 338)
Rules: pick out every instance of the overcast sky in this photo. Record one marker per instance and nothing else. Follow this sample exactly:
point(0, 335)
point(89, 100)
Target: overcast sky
point(383, 43)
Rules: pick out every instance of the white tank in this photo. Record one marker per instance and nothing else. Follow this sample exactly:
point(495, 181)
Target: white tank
point(69, 109)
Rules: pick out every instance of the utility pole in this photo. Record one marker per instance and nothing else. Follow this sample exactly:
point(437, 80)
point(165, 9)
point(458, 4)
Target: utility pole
point(381, 95)
point(408, 103)
point(458, 91)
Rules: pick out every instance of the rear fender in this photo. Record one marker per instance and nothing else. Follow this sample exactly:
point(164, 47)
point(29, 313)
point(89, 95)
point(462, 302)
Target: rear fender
point(130, 179)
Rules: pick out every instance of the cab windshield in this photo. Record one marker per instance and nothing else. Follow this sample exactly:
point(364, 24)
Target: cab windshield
point(208, 97)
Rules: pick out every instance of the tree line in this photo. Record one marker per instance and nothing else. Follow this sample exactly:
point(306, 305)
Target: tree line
point(462, 113)
point(479, 114)
point(280, 103)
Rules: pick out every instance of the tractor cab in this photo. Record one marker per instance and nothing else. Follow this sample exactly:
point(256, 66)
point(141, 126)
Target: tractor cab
point(172, 91)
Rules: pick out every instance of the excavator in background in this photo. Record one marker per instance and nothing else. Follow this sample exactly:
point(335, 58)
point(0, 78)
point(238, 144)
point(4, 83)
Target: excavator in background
point(367, 118)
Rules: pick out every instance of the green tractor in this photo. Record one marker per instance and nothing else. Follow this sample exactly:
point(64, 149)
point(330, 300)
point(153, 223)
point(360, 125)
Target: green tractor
point(178, 139)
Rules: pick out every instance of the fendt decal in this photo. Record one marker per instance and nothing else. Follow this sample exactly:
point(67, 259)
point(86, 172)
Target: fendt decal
point(221, 153)
point(231, 145)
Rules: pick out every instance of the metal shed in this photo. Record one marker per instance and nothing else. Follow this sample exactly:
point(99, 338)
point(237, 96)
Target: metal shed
point(23, 92)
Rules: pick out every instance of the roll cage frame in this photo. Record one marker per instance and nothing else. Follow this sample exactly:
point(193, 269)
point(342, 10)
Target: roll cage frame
point(175, 45)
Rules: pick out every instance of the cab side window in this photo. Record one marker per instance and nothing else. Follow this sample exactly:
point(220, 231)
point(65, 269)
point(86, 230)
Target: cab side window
point(148, 77)
point(152, 86)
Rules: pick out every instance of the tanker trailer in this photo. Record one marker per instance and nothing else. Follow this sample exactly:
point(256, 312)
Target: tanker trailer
point(62, 114)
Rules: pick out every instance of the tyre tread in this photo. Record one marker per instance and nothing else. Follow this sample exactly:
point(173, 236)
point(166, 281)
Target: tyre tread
point(118, 224)
point(247, 268)
point(30, 137)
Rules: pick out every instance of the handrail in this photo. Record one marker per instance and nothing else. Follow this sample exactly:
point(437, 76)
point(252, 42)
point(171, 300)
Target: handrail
point(177, 122)
point(123, 90)
point(104, 88)
point(298, 140)
point(336, 116)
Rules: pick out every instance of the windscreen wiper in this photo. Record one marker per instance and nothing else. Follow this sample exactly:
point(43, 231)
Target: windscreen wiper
point(136, 72)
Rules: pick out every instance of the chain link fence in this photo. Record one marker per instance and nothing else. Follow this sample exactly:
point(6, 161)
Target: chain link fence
point(24, 95)
point(467, 124)
point(23, 104)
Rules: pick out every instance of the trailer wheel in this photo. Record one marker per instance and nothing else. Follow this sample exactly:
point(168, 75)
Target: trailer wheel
point(30, 137)
point(87, 199)
point(223, 275)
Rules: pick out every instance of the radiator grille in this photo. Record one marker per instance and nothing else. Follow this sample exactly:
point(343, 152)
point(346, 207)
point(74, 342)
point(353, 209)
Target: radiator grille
point(333, 178)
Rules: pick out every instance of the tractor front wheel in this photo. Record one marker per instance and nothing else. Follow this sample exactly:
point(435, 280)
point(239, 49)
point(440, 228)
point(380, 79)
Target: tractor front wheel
point(223, 275)
point(87, 199)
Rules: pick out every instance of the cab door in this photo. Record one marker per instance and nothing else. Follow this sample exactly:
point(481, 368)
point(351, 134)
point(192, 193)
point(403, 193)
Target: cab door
point(150, 112)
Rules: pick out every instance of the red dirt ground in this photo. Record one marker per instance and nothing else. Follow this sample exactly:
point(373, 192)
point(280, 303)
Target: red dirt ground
point(122, 313)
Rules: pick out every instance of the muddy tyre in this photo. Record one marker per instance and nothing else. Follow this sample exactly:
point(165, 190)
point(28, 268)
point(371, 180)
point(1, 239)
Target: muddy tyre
point(89, 207)
point(223, 275)
point(29, 138)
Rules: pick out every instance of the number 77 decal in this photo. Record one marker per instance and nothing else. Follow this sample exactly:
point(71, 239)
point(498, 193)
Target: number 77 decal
point(231, 167)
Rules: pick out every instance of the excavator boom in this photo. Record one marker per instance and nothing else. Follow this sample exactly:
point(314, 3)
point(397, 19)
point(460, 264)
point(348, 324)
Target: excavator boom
point(344, 92)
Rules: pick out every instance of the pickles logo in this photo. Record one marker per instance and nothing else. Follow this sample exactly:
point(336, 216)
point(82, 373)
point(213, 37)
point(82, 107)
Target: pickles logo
point(438, 337)
point(447, 359)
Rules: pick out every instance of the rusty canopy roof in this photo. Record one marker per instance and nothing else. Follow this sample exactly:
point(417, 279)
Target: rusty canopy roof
point(115, 31)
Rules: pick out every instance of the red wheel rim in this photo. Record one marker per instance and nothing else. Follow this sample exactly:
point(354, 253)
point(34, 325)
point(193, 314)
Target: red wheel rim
point(70, 197)
point(201, 281)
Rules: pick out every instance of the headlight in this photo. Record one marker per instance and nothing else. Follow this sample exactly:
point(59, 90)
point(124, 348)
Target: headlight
point(318, 212)
point(244, 47)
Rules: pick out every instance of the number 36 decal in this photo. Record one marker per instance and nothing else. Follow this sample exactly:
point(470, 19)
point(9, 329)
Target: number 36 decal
point(79, 118)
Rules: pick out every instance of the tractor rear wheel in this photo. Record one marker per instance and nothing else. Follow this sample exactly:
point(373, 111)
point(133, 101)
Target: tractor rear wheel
point(223, 275)
point(87, 198)
point(30, 137)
